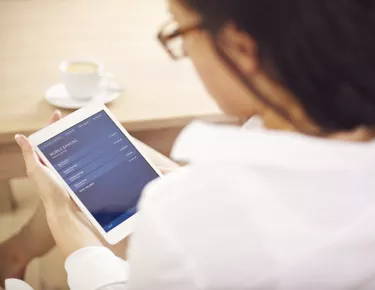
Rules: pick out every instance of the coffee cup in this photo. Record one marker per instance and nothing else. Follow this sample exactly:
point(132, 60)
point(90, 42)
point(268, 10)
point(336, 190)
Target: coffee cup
point(81, 78)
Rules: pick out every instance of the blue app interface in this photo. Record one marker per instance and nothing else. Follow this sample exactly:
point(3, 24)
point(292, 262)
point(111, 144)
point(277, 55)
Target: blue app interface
point(102, 167)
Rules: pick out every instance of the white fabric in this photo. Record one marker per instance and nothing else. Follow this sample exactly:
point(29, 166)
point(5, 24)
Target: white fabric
point(15, 284)
point(254, 210)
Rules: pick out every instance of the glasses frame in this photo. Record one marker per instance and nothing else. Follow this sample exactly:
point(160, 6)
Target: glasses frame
point(179, 32)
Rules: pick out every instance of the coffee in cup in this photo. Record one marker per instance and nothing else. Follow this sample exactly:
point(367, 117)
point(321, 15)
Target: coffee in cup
point(82, 67)
point(81, 78)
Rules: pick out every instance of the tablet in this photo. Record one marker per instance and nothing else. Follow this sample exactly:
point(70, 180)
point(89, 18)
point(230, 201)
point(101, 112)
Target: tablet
point(101, 168)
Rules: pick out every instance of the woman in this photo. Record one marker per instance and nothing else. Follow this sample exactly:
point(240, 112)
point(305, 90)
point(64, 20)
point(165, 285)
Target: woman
point(288, 207)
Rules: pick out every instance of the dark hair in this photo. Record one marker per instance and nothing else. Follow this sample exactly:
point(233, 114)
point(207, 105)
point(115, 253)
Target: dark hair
point(323, 51)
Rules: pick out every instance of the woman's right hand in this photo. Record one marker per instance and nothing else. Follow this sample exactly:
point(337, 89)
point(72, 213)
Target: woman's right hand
point(69, 231)
point(51, 191)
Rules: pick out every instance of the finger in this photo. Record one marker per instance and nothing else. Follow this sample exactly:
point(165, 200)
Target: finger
point(41, 161)
point(166, 170)
point(31, 159)
point(55, 117)
point(75, 206)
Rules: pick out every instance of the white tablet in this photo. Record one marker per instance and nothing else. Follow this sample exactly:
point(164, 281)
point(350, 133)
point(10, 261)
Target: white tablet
point(101, 168)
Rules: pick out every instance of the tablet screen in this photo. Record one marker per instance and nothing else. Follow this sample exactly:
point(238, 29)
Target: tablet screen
point(102, 167)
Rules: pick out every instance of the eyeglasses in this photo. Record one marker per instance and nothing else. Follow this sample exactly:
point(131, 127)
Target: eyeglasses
point(171, 38)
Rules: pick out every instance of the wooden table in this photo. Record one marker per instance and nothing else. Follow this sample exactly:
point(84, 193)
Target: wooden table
point(161, 96)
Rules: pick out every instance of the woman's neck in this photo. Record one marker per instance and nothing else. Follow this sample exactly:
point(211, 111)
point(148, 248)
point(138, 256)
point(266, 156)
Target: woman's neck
point(298, 119)
point(360, 134)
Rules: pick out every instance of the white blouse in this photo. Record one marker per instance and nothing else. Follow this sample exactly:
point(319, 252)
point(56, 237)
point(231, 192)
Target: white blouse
point(254, 210)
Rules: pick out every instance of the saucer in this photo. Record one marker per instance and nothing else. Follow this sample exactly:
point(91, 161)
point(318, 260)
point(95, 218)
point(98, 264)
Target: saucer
point(58, 96)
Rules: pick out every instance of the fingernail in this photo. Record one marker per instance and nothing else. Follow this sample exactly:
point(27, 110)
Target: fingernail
point(19, 139)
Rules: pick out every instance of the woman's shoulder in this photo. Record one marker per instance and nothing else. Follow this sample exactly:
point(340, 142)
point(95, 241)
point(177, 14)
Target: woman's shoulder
point(203, 189)
point(203, 181)
point(208, 212)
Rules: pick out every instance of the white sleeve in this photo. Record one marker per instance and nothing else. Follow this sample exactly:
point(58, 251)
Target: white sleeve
point(156, 257)
point(96, 268)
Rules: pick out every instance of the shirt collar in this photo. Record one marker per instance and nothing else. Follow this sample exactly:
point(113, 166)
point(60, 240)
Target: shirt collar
point(200, 142)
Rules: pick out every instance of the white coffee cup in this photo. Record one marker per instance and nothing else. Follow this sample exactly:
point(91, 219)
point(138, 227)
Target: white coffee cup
point(81, 78)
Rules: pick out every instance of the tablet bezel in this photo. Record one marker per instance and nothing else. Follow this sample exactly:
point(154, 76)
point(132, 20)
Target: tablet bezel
point(122, 230)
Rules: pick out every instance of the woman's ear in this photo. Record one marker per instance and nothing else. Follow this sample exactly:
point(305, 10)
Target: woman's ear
point(241, 49)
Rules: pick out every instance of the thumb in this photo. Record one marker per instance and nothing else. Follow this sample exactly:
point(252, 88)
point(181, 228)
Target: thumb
point(55, 117)
point(29, 155)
